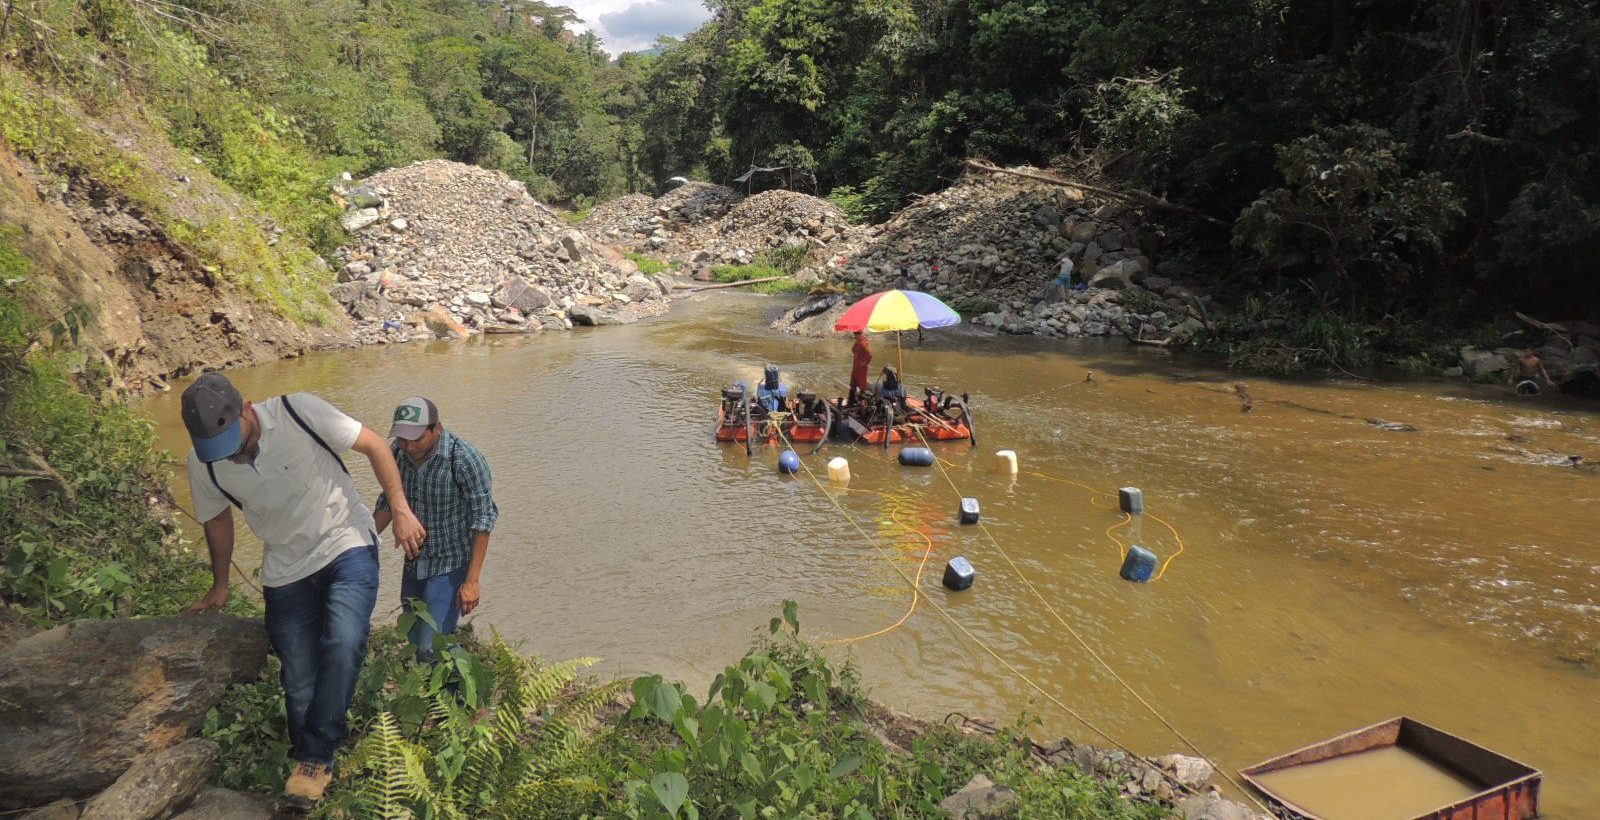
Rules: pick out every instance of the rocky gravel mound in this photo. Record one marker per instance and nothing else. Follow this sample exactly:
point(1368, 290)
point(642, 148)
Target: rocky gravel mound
point(623, 216)
point(992, 244)
point(765, 221)
point(700, 224)
point(695, 202)
point(448, 249)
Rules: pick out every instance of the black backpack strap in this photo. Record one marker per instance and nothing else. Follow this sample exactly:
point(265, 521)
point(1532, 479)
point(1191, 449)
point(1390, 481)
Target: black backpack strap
point(211, 470)
point(313, 434)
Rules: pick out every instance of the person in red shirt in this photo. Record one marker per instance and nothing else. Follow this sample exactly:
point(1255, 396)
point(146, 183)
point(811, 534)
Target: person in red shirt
point(861, 358)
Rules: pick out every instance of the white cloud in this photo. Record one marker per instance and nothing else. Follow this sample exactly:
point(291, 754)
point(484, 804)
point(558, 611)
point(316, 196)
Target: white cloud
point(631, 25)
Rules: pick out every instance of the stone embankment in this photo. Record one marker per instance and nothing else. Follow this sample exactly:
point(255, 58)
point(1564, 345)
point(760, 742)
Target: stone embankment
point(442, 249)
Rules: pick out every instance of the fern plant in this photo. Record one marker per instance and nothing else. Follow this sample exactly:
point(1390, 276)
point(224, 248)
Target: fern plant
point(520, 757)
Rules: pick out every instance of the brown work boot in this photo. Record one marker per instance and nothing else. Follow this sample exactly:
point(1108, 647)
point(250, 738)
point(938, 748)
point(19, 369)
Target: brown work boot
point(306, 784)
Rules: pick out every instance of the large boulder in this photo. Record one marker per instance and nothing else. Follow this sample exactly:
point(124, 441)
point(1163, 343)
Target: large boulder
point(357, 219)
point(81, 702)
point(443, 325)
point(515, 292)
point(213, 803)
point(980, 799)
point(589, 316)
point(156, 784)
point(1482, 364)
point(1215, 807)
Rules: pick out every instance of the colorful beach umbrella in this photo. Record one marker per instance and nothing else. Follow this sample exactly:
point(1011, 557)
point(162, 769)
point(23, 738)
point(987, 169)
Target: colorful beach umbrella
point(897, 310)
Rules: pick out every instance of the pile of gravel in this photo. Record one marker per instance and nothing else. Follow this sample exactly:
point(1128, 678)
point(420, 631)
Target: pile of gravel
point(453, 249)
point(992, 243)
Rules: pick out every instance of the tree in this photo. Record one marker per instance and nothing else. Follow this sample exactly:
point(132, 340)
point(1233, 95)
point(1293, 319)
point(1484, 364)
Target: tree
point(1352, 206)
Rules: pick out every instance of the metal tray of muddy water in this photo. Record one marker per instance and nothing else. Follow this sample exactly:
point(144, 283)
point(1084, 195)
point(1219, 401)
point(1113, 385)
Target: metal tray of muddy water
point(1399, 769)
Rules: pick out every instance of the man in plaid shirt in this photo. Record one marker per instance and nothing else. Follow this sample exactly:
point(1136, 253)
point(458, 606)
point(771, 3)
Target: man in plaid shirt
point(448, 485)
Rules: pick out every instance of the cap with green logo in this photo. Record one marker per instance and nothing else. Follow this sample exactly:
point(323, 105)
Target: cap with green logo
point(413, 418)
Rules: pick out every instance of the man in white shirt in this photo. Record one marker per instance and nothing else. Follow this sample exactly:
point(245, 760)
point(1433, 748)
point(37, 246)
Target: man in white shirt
point(278, 462)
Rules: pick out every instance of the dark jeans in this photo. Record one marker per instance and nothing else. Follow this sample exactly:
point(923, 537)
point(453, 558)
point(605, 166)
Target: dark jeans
point(440, 593)
point(318, 626)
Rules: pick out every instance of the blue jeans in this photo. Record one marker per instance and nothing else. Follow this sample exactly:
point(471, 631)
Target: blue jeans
point(318, 626)
point(441, 595)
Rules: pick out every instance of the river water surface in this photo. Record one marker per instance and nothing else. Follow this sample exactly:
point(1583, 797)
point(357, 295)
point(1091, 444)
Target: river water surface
point(1333, 574)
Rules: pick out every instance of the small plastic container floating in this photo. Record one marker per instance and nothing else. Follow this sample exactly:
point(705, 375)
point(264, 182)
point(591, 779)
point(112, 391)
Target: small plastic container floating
point(916, 456)
point(1138, 565)
point(1400, 769)
point(969, 510)
point(959, 574)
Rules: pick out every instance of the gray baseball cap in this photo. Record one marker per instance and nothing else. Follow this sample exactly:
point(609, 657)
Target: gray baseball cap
point(413, 417)
point(211, 411)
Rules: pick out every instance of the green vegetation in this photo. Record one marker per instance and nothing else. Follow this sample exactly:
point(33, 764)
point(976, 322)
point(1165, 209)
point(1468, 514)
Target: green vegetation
point(77, 476)
point(649, 265)
point(969, 308)
point(782, 733)
point(787, 258)
point(1436, 162)
point(744, 273)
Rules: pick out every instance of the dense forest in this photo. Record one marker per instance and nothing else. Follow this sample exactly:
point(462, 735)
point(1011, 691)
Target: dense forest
point(1437, 160)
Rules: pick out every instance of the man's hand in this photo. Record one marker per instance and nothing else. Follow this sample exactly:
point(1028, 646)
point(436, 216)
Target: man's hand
point(409, 533)
point(469, 596)
point(216, 598)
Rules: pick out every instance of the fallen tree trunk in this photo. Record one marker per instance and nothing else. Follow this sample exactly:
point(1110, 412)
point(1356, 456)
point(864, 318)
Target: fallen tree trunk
point(1139, 198)
point(738, 284)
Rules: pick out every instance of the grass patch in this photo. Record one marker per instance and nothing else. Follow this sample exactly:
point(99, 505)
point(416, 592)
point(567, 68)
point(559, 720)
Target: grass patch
point(577, 217)
point(744, 273)
point(969, 308)
point(649, 265)
point(787, 258)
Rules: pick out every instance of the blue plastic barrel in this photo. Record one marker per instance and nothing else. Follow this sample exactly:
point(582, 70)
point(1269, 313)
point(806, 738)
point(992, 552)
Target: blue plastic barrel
point(789, 462)
point(969, 510)
point(916, 456)
point(1132, 500)
point(959, 574)
point(1139, 565)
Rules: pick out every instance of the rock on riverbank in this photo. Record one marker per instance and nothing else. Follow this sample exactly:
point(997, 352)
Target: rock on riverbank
point(110, 707)
point(447, 250)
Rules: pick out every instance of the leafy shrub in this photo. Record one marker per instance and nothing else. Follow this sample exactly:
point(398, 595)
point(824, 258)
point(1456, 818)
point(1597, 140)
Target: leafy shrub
point(787, 258)
point(1352, 206)
point(852, 201)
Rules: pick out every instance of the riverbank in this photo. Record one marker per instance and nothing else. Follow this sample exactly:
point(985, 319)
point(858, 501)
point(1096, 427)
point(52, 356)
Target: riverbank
point(92, 536)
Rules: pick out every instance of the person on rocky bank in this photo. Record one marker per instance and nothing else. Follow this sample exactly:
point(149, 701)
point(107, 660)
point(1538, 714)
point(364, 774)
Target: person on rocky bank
point(448, 481)
point(278, 462)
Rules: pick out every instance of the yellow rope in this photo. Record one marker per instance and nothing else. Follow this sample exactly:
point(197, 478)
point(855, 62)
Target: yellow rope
point(981, 644)
point(1090, 649)
point(237, 568)
point(916, 591)
point(1094, 498)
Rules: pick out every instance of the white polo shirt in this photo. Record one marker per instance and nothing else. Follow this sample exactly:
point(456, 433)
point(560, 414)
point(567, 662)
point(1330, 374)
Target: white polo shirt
point(297, 500)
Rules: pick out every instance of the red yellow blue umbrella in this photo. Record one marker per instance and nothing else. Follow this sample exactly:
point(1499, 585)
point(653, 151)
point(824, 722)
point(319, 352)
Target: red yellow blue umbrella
point(897, 310)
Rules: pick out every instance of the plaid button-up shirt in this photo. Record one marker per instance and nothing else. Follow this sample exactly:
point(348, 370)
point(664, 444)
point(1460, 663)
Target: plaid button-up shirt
point(451, 492)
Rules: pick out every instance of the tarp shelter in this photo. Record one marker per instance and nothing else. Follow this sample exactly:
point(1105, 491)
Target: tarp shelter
point(786, 174)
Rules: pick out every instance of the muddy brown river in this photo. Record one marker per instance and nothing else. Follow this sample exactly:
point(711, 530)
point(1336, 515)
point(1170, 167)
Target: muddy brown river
point(1335, 571)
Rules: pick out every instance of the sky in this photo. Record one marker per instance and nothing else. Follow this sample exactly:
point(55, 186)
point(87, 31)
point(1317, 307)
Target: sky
point(633, 25)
